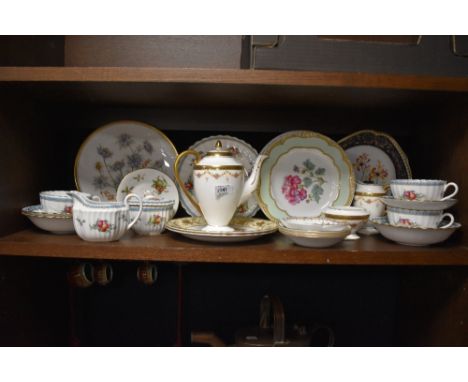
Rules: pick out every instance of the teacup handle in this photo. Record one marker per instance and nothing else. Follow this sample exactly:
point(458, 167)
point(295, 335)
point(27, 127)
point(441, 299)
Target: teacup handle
point(140, 201)
point(450, 216)
point(453, 193)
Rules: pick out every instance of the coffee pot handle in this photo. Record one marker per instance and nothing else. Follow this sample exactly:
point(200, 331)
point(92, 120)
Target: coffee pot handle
point(180, 182)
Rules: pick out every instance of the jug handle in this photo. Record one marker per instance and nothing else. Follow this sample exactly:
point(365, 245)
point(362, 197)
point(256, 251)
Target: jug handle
point(180, 182)
point(140, 201)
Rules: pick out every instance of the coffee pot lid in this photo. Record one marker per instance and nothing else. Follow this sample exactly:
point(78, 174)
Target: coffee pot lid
point(219, 151)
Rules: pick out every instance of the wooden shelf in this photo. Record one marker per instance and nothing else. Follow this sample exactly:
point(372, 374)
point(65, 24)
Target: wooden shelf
point(227, 87)
point(232, 76)
point(275, 249)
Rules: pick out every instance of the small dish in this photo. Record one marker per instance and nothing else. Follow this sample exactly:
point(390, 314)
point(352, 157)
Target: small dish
point(413, 236)
point(57, 223)
point(311, 224)
point(149, 183)
point(153, 218)
point(332, 235)
point(356, 217)
point(425, 205)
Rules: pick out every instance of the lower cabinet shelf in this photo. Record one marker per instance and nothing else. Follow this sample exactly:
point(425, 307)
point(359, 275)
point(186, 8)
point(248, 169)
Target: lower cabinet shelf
point(275, 249)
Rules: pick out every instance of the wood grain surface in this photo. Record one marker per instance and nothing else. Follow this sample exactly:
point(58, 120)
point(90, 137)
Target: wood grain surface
point(233, 76)
point(275, 249)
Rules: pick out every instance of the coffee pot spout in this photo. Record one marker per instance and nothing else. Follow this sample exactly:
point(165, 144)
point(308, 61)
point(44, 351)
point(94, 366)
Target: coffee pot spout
point(251, 184)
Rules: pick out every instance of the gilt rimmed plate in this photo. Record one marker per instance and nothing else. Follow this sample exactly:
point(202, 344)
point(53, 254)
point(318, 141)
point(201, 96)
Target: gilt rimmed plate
point(114, 150)
point(245, 229)
point(242, 152)
point(146, 182)
point(376, 157)
point(305, 173)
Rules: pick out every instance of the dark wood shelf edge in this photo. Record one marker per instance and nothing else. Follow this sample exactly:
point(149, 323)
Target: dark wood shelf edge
point(272, 250)
point(234, 77)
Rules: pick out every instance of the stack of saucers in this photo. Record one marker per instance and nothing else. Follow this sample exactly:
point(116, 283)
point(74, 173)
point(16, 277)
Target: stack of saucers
point(54, 214)
point(415, 212)
point(314, 232)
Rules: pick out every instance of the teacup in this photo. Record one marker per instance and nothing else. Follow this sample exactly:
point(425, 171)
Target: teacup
point(417, 218)
point(421, 189)
point(59, 201)
point(153, 218)
point(56, 201)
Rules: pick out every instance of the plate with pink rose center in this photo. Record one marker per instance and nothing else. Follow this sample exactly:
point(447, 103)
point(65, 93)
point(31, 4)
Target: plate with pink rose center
point(305, 173)
point(376, 157)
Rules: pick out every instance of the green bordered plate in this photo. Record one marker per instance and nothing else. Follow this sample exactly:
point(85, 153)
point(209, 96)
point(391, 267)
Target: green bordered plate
point(305, 173)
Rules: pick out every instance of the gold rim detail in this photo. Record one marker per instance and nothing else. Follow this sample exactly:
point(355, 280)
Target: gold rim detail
point(219, 167)
point(315, 234)
point(216, 174)
point(368, 194)
point(47, 215)
point(341, 217)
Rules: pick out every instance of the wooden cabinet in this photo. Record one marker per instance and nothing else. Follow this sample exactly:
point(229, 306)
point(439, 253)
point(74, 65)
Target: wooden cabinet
point(371, 291)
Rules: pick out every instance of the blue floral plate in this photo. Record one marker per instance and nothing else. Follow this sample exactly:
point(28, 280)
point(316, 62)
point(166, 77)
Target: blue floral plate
point(305, 173)
point(116, 149)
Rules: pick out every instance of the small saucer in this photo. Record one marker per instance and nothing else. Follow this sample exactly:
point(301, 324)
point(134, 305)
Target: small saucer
point(426, 205)
point(413, 236)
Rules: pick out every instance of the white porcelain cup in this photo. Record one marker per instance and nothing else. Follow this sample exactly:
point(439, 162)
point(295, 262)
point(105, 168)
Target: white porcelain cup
point(369, 197)
point(416, 218)
point(153, 218)
point(422, 189)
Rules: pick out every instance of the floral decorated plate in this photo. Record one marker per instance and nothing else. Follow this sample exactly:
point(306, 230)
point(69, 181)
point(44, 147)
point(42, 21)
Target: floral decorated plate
point(241, 150)
point(376, 157)
point(305, 173)
point(148, 182)
point(244, 229)
point(116, 149)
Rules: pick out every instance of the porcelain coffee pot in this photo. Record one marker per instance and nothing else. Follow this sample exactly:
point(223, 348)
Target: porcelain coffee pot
point(218, 185)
